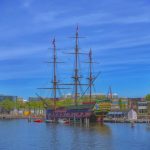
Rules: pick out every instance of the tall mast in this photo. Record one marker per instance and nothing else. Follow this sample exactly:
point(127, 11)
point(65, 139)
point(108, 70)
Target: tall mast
point(54, 74)
point(76, 76)
point(90, 75)
point(54, 82)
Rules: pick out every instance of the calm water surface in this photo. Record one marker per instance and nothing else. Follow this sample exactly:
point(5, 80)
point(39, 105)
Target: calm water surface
point(21, 135)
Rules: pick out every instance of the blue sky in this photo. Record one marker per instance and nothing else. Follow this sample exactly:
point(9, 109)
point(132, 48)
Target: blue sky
point(118, 31)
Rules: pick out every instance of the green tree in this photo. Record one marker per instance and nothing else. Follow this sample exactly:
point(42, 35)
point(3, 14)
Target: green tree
point(101, 97)
point(20, 105)
point(7, 105)
point(147, 97)
point(120, 104)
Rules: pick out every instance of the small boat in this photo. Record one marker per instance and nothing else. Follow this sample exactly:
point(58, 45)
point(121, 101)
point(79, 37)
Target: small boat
point(38, 120)
point(67, 123)
point(64, 121)
point(50, 121)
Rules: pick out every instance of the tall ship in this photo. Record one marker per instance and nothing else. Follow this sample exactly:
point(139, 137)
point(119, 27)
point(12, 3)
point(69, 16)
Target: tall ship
point(80, 106)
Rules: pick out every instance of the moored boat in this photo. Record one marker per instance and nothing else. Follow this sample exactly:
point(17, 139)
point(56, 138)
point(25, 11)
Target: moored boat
point(64, 121)
point(50, 121)
point(38, 120)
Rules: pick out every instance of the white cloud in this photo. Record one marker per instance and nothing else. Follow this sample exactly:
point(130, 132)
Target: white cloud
point(18, 52)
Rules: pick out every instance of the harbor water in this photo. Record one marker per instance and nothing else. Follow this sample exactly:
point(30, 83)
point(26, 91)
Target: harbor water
point(21, 135)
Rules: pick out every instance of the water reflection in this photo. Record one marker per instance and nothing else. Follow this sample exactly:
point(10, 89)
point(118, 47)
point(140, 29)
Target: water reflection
point(90, 137)
point(54, 138)
point(101, 128)
point(43, 136)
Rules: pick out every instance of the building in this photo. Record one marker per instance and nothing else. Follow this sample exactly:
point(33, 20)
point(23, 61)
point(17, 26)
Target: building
point(148, 107)
point(119, 104)
point(123, 104)
point(133, 103)
point(34, 99)
point(94, 95)
point(39, 99)
point(115, 104)
point(4, 97)
point(142, 107)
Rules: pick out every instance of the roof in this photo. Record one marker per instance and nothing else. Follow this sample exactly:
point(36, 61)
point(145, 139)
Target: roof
point(83, 106)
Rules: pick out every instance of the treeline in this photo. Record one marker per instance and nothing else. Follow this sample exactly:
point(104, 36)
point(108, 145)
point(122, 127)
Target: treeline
point(8, 105)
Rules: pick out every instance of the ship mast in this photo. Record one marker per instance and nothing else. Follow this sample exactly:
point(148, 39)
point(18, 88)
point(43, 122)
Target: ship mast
point(54, 82)
point(76, 71)
point(90, 78)
point(90, 75)
point(54, 74)
point(76, 77)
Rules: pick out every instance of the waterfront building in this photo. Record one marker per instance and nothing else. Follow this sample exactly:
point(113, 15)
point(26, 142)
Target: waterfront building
point(39, 99)
point(115, 104)
point(133, 103)
point(148, 107)
point(119, 108)
point(142, 107)
point(102, 106)
point(34, 99)
point(4, 97)
point(123, 104)
point(86, 96)
point(132, 115)
point(117, 114)
point(119, 104)
point(20, 99)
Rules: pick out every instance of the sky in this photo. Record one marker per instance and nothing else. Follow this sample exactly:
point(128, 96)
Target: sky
point(118, 31)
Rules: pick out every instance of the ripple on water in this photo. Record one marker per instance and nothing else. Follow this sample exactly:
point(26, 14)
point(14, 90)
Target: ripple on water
point(21, 135)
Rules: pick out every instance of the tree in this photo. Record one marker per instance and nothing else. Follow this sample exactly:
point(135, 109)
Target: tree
point(147, 97)
point(120, 104)
point(7, 105)
point(20, 105)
